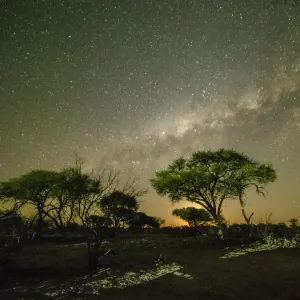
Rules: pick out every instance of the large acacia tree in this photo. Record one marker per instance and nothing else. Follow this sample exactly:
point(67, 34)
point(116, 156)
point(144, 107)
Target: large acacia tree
point(58, 196)
point(33, 188)
point(209, 178)
point(69, 190)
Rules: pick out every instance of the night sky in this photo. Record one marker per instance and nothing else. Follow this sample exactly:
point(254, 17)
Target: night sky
point(132, 85)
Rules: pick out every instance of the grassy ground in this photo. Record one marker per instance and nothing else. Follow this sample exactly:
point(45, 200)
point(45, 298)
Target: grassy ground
point(58, 271)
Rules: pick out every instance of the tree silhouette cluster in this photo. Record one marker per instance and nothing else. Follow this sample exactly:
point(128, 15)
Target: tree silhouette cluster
point(71, 195)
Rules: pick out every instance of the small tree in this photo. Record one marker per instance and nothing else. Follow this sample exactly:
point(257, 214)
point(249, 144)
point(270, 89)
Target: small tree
point(96, 232)
point(119, 207)
point(209, 178)
point(94, 187)
point(13, 228)
point(93, 226)
point(142, 220)
point(161, 221)
point(293, 223)
point(195, 217)
point(153, 222)
point(268, 218)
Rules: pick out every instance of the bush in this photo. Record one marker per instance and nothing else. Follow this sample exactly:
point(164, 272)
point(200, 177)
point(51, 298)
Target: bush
point(272, 240)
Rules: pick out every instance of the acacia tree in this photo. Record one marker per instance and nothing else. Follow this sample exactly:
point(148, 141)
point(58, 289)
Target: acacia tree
point(195, 217)
point(102, 185)
point(293, 222)
point(68, 191)
point(119, 207)
point(209, 178)
point(160, 221)
point(142, 220)
point(33, 188)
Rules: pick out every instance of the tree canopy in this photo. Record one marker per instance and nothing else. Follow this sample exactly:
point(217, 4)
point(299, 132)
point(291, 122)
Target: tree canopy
point(142, 220)
point(195, 217)
point(71, 194)
point(209, 178)
point(32, 188)
point(119, 206)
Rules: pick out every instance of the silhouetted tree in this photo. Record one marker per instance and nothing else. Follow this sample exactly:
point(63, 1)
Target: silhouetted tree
point(93, 187)
point(195, 217)
point(209, 178)
point(12, 224)
point(153, 222)
point(293, 222)
point(13, 231)
point(88, 202)
point(281, 225)
point(97, 231)
point(142, 220)
point(247, 219)
point(99, 221)
point(160, 221)
point(70, 187)
point(33, 188)
point(101, 185)
point(93, 224)
point(71, 194)
point(119, 207)
point(268, 218)
point(130, 188)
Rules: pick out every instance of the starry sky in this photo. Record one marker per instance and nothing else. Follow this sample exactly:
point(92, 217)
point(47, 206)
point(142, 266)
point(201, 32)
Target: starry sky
point(132, 85)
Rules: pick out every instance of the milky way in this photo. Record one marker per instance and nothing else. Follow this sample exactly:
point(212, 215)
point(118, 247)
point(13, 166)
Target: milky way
point(132, 85)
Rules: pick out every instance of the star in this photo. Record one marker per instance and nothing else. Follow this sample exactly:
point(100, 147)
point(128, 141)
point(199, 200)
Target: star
point(135, 85)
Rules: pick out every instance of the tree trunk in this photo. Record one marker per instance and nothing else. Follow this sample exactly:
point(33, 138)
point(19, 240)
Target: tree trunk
point(39, 223)
point(216, 216)
point(218, 220)
point(247, 219)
